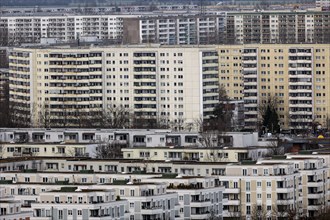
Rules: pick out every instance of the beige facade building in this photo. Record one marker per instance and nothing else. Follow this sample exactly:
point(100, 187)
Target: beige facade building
point(297, 76)
point(313, 183)
point(268, 190)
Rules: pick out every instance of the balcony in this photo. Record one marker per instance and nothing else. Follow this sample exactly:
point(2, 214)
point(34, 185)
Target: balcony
point(300, 112)
point(285, 190)
point(233, 202)
point(250, 54)
point(299, 54)
point(250, 69)
point(313, 207)
point(285, 201)
point(315, 195)
point(99, 217)
point(200, 216)
point(201, 203)
point(231, 214)
point(249, 61)
point(151, 210)
point(318, 183)
point(232, 190)
point(139, 144)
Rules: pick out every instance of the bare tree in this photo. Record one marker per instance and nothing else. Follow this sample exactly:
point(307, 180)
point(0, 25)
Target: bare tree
point(208, 139)
point(216, 155)
point(144, 122)
point(109, 150)
point(284, 211)
point(70, 152)
point(213, 215)
point(275, 147)
point(178, 124)
point(235, 213)
point(43, 115)
point(258, 212)
point(20, 115)
point(199, 124)
point(115, 117)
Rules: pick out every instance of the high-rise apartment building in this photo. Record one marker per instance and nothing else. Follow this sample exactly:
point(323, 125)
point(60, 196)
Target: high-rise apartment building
point(323, 4)
point(296, 75)
point(174, 29)
point(192, 28)
point(4, 80)
point(15, 30)
point(231, 28)
point(175, 84)
point(63, 85)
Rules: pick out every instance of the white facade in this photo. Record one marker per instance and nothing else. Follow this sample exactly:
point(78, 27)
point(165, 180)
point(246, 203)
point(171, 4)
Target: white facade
point(297, 183)
point(75, 203)
point(173, 86)
point(137, 196)
point(323, 3)
point(10, 209)
point(167, 28)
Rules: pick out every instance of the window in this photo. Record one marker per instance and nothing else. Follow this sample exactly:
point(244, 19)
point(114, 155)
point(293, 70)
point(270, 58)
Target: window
point(255, 172)
point(69, 212)
point(258, 184)
point(269, 184)
point(248, 210)
point(244, 172)
point(131, 205)
point(269, 196)
point(180, 198)
point(265, 171)
point(248, 197)
point(131, 217)
point(248, 186)
point(258, 195)
point(132, 192)
point(79, 212)
point(122, 192)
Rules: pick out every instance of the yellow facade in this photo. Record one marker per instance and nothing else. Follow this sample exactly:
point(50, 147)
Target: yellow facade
point(282, 72)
